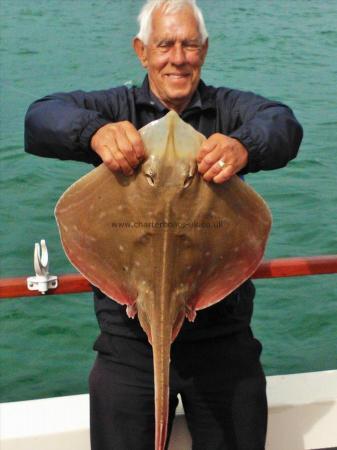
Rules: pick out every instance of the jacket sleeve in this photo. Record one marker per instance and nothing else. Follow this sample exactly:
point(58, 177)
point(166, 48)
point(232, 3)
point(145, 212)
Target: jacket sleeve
point(61, 125)
point(268, 130)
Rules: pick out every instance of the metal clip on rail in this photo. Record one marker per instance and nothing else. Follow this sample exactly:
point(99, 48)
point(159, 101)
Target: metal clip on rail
point(42, 281)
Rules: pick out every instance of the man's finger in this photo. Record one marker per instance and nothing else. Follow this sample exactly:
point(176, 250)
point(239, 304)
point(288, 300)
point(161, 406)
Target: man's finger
point(205, 149)
point(135, 140)
point(110, 162)
point(114, 159)
point(122, 162)
point(216, 169)
point(226, 174)
point(210, 160)
point(124, 146)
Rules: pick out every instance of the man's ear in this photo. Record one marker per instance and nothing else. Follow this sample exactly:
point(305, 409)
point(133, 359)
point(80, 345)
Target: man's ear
point(204, 51)
point(141, 51)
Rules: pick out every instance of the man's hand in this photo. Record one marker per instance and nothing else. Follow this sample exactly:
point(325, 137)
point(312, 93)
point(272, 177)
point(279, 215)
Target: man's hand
point(220, 157)
point(120, 146)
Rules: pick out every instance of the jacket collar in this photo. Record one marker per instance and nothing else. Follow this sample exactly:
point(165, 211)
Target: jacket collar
point(203, 98)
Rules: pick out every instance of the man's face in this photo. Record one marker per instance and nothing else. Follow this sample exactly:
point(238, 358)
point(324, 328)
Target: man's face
point(173, 57)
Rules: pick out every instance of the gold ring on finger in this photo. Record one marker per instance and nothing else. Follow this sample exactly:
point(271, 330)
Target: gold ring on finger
point(221, 163)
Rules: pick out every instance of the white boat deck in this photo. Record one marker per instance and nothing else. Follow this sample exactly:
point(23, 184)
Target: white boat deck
point(302, 416)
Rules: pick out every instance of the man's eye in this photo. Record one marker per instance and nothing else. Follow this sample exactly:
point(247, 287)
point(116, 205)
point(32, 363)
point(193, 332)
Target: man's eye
point(165, 44)
point(191, 46)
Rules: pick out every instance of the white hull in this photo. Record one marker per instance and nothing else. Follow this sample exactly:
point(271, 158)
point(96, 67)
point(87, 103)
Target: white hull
point(302, 416)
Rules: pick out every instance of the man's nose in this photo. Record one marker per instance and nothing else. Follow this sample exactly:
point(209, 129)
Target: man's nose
point(178, 55)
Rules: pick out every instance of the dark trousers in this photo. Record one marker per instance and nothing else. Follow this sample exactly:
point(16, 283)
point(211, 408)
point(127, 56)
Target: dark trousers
point(221, 383)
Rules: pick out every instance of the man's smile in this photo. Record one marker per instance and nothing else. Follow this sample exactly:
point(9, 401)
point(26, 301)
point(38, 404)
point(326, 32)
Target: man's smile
point(173, 56)
point(177, 75)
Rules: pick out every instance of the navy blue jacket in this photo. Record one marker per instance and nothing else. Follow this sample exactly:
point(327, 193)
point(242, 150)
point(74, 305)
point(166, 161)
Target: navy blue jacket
point(61, 126)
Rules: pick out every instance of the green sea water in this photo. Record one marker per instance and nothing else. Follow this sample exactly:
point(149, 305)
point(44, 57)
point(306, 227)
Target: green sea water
point(283, 50)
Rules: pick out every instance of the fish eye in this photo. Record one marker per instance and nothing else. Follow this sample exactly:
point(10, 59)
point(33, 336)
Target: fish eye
point(190, 175)
point(188, 181)
point(150, 177)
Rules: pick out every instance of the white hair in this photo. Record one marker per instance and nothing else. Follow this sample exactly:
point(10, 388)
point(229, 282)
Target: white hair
point(169, 6)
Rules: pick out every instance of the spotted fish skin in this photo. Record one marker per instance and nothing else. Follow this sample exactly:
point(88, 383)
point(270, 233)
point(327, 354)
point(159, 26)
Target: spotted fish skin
point(163, 242)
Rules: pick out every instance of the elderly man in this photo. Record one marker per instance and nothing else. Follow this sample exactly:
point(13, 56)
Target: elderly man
point(215, 361)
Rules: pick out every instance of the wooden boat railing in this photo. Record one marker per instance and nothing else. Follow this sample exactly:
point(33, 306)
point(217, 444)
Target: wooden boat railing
point(274, 268)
